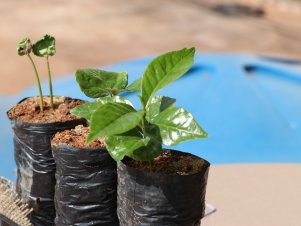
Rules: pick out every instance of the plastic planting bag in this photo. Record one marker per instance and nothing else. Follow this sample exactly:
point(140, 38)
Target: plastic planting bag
point(86, 188)
point(151, 198)
point(36, 166)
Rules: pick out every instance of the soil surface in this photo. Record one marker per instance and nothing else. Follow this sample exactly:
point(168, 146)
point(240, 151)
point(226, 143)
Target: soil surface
point(170, 163)
point(29, 110)
point(76, 138)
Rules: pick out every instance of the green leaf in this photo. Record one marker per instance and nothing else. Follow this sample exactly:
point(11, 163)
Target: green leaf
point(177, 125)
point(87, 109)
point(24, 47)
point(44, 47)
point(114, 99)
point(99, 83)
point(158, 104)
point(112, 119)
point(165, 69)
point(120, 146)
point(135, 86)
point(153, 148)
point(142, 149)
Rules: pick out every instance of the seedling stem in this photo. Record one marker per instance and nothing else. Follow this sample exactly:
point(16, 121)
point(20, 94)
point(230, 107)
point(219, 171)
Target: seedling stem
point(50, 83)
point(39, 83)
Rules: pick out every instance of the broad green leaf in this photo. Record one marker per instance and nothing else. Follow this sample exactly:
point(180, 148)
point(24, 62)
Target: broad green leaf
point(120, 146)
point(158, 104)
point(99, 83)
point(44, 47)
point(87, 109)
point(153, 147)
point(114, 99)
point(142, 149)
point(146, 153)
point(165, 69)
point(177, 125)
point(113, 119)
point(136, 132)
point(24, 47)
point(135, 86)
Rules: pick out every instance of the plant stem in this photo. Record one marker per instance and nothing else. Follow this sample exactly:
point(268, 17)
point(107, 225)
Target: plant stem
point(39, 83)
point(151, 165)
point(50, 84)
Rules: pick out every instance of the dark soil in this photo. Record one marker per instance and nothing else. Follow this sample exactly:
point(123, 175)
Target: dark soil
point(76, 138)
point(29, 110)
point(170, 162)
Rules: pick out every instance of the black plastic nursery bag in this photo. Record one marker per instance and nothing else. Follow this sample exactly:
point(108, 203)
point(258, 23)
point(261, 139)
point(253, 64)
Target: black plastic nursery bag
point(153, 199)
point(86, 188)
point(36, 166)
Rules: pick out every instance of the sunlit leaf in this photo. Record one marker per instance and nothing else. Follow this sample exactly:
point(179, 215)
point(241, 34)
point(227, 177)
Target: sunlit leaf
point(87, 109)
point(138, 148)
point(99, 83)
point(165, 69)
point(177, 125)
point(135, 86)
point(112, 119)
point(121, 146)
point(158, 104)
point(44, 47)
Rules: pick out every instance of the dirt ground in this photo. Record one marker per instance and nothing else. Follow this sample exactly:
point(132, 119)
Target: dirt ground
point(100, 32)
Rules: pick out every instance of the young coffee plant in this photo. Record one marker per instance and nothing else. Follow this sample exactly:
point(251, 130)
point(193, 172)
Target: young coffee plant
point(139, 134)
point(45, 48)
point(42, 48)
point(25, 48)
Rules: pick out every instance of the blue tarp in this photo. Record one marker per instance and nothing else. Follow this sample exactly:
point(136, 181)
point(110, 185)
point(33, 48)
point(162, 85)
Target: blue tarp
point(249, 105)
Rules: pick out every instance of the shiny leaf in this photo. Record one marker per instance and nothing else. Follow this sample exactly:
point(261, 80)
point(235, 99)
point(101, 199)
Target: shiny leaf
point(44, 47)
point(158, 104)
point(99, 83)
point(87, 109)
point(165, 69)
point(114, 99)
point(135, 86)
point(153, 148)
point(177, 125)
point(142, 149)
point(24, 47)
point(113, 118)
point(121, 146)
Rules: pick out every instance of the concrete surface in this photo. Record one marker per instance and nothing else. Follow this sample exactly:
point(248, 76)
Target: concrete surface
point(255, 195)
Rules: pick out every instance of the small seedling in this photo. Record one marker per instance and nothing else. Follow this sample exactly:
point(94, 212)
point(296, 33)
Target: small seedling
point(45, 48)
point(42, 48)
point(25, 48)
point(140, 134)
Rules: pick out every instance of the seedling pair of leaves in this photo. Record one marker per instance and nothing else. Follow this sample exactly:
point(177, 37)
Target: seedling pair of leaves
point(138, 134)
point(42, 48)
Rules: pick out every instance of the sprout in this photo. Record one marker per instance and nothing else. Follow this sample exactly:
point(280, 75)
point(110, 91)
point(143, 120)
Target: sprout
point(45, 48)
point(24, 48)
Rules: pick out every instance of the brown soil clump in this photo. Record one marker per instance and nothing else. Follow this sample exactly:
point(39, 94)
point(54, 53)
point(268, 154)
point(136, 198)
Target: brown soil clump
point(29, 110)
point(170, 162)
point(76, 138)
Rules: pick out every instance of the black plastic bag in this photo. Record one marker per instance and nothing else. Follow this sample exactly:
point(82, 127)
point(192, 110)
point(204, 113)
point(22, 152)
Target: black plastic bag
point(36, 166)
point(86, 186)
point(150, 198)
